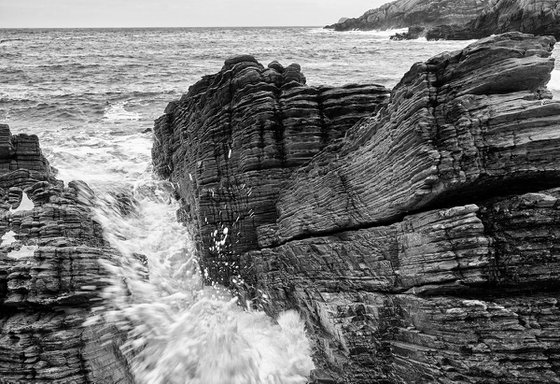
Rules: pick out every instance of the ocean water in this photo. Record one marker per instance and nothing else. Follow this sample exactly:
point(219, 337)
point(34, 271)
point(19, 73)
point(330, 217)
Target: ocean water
point(91, 96)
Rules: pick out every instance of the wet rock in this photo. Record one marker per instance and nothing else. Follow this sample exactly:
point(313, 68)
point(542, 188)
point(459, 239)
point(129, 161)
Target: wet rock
point(413, 32)
point(51, 275)
point(539, 17)
point(408, 13)
point(420, 245)
point(234, 139)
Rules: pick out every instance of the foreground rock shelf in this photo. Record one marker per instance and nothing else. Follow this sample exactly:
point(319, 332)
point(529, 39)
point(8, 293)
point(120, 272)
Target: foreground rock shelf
point(419, 239)
point(51, 276)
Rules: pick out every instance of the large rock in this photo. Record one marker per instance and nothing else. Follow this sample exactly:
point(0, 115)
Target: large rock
point(420, 246)
point(441, 296)
point(234, 139)
point(407, 13)
point(539, 17)
point(51, 276)
point(459, 127)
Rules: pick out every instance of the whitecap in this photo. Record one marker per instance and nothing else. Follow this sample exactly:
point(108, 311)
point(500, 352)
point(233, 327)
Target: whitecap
point(115, 112)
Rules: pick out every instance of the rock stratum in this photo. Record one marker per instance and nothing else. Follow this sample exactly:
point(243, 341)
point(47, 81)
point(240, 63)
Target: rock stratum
point(418, 233)
point(51, 276)
point(407, 13)
point(464, 20)
point(539, 17)
point(231, 142)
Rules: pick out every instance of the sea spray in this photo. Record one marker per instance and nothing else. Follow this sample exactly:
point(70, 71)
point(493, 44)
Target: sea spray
point(180, 331)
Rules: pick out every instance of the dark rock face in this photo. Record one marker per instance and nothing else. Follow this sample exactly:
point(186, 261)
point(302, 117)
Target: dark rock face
point(406, 13)
point(234, 139)
point(458, 127)
point(539, 17)
point(423, 245)
point(50, 276)
point(413, 32)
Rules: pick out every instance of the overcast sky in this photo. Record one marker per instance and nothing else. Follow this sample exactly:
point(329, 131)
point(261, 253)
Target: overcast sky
point(178, 13)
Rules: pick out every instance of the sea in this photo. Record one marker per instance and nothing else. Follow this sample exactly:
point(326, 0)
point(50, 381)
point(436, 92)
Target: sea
point(91, 96)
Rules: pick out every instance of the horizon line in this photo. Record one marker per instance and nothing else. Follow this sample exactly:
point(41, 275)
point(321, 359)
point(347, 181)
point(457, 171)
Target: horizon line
point(174, 27)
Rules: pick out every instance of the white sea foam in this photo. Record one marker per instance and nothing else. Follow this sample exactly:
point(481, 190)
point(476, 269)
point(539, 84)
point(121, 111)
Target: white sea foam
point(25, 204)
point(115, 112)
point(24, 251)
point(8, 238)
point(185, 332)
point(554, 83)
point(377, 33)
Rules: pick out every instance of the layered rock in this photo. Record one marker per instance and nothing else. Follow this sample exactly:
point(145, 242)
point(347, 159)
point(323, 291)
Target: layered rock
point(234, 139)
point(539, 17)
point(51, 275)
point(464, 294)
point(407, 13)
point(422, 246)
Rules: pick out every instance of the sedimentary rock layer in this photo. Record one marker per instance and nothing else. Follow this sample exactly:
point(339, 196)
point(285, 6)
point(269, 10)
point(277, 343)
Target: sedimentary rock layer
point(441, 295)
point(51, 275)
point(231, 142)
point(420, 246)
point(407, 13)
point(459, 127)
point(539, 17)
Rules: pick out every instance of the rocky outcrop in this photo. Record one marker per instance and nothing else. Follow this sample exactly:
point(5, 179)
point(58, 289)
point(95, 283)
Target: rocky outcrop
point(51, 276)
point(234, 139)
point(421, 246)
point(459, 127)
point(539, 17)
point(407, 13)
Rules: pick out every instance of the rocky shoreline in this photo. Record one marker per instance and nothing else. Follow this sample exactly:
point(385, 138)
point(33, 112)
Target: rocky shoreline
point(465, 21)
point(416, 230)
point(418, 238)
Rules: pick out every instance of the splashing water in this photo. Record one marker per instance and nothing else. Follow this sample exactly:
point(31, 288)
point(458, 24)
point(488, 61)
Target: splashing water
point(180, 331)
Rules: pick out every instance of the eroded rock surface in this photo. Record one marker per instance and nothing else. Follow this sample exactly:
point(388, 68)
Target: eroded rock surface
point(421, 246)
point(234, 139)
point(51, 276)
point(539, 17)
point(461, 126)
point(407, 13)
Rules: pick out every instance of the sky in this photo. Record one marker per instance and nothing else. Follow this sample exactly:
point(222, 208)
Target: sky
point(177, 13)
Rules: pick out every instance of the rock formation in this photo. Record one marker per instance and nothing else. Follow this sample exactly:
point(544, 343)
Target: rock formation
point(407, 13)
point(421, 245)
point(231, 142)
point(539, 17)
point(50, 275)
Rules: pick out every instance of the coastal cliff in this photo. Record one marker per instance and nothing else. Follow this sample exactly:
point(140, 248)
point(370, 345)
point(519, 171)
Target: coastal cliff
point(417, 234)
point(407, 13)
point(51, 275)
point(539, 17)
